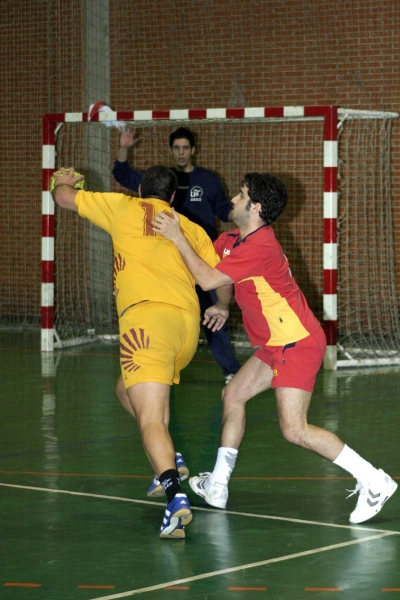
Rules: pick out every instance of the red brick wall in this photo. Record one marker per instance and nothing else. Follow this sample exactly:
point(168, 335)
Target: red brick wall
point(180, 54)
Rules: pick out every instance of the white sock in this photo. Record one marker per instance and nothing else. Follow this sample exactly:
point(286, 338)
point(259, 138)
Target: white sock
point(225, 464)
point(356, 465)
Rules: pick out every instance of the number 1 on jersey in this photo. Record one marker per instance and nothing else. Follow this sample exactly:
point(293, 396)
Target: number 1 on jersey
point(149, 212)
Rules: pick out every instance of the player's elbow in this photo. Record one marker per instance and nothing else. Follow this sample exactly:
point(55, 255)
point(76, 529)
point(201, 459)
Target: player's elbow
point(64, 197)
point(205, 283)
point(205, 287)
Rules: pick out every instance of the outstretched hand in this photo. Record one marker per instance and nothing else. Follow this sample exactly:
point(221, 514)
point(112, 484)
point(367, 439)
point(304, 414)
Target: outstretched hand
point(166, 225)
point(67, 176)
point(127, 137)
point(215, 317)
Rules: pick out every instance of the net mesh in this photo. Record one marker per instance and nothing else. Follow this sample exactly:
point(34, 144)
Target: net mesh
point(368, 323)
point(367, 303)
point(83, 254)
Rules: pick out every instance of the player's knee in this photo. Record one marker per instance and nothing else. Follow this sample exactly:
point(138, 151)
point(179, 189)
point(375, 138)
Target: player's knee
point(227, 397)
point(231, 400)
point(292, 434)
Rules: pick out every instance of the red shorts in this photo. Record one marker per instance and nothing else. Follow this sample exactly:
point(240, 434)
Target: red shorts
point(295, 365)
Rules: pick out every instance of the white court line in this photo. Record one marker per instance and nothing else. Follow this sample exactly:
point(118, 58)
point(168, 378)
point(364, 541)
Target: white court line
point(380, 533)
point(261, 563)
point(199, 508)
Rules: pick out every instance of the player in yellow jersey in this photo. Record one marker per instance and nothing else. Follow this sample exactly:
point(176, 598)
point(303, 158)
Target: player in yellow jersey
point(158, 312)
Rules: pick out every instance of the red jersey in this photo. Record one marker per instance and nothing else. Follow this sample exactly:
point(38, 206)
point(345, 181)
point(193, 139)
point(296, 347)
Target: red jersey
point(274, 309)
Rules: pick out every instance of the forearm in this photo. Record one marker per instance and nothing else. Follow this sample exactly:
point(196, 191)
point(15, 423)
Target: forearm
point(204, 275)
point(224, 296)
point(64, 195)
point(207, 277)
point(122, 154)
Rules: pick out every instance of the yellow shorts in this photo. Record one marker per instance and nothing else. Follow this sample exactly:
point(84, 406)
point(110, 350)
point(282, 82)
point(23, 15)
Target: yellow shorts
point(157, 340)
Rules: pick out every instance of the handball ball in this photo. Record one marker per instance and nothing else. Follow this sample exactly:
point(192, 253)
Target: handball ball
point(80, 185)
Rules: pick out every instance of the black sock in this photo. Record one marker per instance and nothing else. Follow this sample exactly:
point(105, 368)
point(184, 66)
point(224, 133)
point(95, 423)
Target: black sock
point(171, 484)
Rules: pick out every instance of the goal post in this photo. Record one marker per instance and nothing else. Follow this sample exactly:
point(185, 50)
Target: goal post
point(319, 151)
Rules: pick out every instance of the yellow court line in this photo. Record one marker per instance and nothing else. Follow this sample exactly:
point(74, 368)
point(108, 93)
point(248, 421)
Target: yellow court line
point(14, 584)
point(177, 587)
point(246, 589)
point(95, 587)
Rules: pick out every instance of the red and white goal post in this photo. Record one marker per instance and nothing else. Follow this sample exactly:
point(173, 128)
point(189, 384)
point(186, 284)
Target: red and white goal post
point(336, 231)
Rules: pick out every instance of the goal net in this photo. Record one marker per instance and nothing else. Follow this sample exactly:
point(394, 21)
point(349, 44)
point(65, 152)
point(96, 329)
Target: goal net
point(336, 230)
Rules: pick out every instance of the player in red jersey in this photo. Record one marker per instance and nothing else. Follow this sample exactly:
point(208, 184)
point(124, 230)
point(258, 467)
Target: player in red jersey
point(290, 340)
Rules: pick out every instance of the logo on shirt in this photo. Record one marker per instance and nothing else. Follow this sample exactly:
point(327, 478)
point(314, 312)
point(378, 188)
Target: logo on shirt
point(226, 252)
point(275, 372)
point(196, 193)
point(119, 265)
point(132, 342)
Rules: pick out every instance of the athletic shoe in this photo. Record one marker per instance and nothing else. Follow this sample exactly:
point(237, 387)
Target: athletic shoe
point(372, 497)
point(156, 489)
point(176, 516)
point(215, 494)
point(229, 377)
point(181, 467)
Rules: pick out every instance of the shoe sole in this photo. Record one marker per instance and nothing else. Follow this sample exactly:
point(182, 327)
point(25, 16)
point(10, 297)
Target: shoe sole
point(211, 502)
point(181, 518)
point(159, 490)
point(177, 534)
point(389, 495)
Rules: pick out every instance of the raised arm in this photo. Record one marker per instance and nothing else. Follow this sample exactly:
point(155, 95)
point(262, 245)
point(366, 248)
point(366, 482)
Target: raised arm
point(122, 172)
point(207, 277)
point(64, 192)
point(127, 139)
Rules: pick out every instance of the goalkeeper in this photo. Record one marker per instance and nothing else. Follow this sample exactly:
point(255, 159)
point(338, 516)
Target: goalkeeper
point(158, 311)
point(290, 341)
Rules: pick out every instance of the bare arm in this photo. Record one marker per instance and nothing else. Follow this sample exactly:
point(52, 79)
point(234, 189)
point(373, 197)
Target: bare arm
point(224, 295)
point(64, 192)
point(207, 277)
point(215, 316)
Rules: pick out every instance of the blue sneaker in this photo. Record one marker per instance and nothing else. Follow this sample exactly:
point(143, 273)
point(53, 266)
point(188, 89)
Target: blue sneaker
point(181, 466)
point(177, 514)
point(156, 489)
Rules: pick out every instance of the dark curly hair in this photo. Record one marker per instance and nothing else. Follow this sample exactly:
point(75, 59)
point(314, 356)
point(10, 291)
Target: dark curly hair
point(269, 191)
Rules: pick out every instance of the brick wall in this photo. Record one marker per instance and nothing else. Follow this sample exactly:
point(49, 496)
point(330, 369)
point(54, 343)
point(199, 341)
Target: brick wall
point(179, 54)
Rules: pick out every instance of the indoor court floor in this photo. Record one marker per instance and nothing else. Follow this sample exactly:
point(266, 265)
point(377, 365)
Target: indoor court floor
point(77, 524)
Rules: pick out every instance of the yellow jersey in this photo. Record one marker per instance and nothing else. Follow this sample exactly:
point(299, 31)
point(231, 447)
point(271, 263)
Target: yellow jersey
point(147, 266)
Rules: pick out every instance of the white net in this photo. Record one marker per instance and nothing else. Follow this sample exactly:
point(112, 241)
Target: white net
point(368, 313)
point(291, 149)
point(83, 254)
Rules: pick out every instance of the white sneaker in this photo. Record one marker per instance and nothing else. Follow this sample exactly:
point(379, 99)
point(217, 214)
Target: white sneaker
point(372, 497)
point(215, 494)
point(229, 377)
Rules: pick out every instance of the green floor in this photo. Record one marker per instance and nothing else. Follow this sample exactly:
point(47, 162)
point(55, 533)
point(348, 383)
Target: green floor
point(76, 521)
